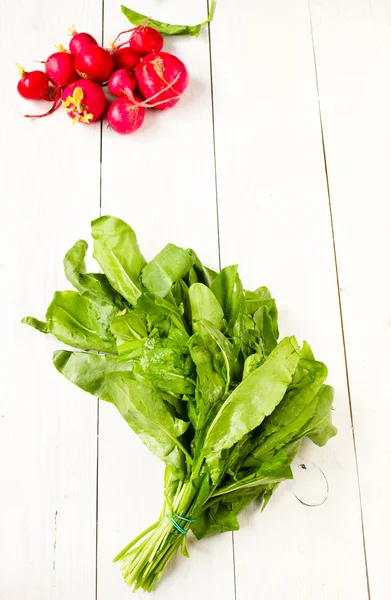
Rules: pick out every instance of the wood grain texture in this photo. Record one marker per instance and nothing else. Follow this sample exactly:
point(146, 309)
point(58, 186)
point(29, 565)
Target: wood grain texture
point(274, 221)
point(161, 181)
point(50, 191)
point(355, 99)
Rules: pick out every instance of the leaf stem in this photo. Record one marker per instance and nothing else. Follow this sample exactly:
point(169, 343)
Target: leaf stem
point(133, 542)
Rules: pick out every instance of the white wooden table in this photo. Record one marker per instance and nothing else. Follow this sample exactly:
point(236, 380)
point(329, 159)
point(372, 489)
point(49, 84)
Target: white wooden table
point(279, 159)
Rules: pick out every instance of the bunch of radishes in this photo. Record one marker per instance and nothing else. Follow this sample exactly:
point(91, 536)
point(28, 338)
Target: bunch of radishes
point(135, 70)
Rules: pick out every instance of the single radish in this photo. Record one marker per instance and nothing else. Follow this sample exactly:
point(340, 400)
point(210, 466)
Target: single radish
point(33, 85)
point(80, 41)
point(146, 39)
point(122, 83)
point(125, 58)
point(95, 63)
point(125, 115)
point(84, 101)
point(163, 77)
point(60, 68)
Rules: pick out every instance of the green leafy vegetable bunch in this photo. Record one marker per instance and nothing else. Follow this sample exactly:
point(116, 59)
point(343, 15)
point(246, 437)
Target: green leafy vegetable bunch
point(192, 362)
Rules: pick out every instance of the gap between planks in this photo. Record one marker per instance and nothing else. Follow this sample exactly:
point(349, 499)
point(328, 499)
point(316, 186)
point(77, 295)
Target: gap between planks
point(339, 296)
point(97, 400)
point(218, 228)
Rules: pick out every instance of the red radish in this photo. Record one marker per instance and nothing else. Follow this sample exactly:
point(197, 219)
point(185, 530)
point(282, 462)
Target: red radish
point(122, 83)
point(146, 39)
point(125, 58)
point(60, 68)
point(84, 101)
point(80, 41)
point(125, 115)
point(95, 63)
point(163, 77)
point(33, 85)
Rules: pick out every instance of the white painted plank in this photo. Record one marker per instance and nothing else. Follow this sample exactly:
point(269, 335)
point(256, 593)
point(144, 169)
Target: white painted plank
point(161, 181)
point(355, 98)
point(50, 191)
point(274, 221)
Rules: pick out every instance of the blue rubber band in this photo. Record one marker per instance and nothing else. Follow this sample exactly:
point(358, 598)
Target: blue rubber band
point(184, 518)
point(176, 525)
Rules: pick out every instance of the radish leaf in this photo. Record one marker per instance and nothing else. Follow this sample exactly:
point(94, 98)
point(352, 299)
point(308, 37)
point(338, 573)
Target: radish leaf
point(165, 28)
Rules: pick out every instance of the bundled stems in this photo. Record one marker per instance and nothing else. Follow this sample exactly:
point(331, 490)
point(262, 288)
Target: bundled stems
point(145, 558)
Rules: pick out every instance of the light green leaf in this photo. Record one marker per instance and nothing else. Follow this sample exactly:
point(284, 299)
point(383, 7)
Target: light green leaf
point(169, 266)
point(165, 28)
point(41, 326)
point(204, 305)
point(76, 321)
point(228, 290)
point(254, 399)
point(320, 429)
point(95, 285)
point(146, 413)
point(87, 371)
point(116, 250)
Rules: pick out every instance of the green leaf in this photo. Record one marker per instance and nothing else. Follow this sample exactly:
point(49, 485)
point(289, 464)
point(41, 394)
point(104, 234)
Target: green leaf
point(204, 305)
point(129, 326)
point(117, 252)
point(87, 371)
point(228, 290)
point(218, 518)
point(251, 363)
point(254, 399)
point(41, 326)
point(320, 429)
point(95, 285)
point(169, 266)
point(77, 321)
point(201, 274)
point(164, 28)
point(295, 410)
point(217, 343)
point(181, 295)
point(270, 471)
point(210, 381)
point(146, 413)
point(74, 264)
point(167, 366)
point(161, 314)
